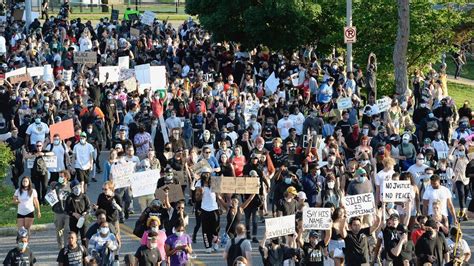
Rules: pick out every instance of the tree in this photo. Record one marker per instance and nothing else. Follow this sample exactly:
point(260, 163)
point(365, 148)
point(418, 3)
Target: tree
point(279, 24)
point(6, 158)
point(401, 47)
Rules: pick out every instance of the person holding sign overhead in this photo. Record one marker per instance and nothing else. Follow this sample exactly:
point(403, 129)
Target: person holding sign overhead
point(313, 251)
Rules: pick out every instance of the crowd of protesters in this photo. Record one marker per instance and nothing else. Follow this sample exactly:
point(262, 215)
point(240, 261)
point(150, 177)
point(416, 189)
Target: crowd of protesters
point(218, 109)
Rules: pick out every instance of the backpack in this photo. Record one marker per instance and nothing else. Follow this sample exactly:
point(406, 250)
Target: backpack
point(234, 251)
point(39, 167)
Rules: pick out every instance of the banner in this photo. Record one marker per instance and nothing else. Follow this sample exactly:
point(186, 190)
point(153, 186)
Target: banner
point(50, 161)
point(396, 191)
point(280, 226)
point(144, 183)
point(344, 103)
point(235, 185)
point(175, 193)
point(16, 72)
point(148, 17)
point(317, 218)
point(120, 173)
point(65, 129)
point(85, 57)
point(109, 74)
point(358, 205)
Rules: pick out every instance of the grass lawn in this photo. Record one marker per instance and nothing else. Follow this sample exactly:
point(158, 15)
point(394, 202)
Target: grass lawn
point(467, 70)
point(8, 209)
point(460, 92)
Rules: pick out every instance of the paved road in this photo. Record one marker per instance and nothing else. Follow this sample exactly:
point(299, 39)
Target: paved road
point(45, 248)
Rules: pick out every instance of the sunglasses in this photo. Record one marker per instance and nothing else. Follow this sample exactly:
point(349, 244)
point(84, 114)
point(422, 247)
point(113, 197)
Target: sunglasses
point(207, 152)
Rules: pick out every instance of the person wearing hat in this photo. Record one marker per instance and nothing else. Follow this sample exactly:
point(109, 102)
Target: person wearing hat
point(313, 251)
point(21, 254)
point(288, 205)
point(431, 246)
point(77, 207)
point(394, 242)
point(83, 154)
point(360, 184)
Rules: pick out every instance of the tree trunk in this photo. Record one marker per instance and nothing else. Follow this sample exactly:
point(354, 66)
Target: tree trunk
point(401, 46)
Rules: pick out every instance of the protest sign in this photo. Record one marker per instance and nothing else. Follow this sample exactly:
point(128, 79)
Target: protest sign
point(148, 17)
point(344, 103)
point(67, 76)
point(3, 45)
point(114, 16)
point(358, 205)
point(20, 78)
point(16, 72)
point(130, 84)
point(50, 161)
point(124, 62)
point(280, 226)
point(109, 74)
point(396, 191)
point(197, 167)
point(235, 185)
point(271, 84)
point(120, 173)
point(52, 197)
point(383, 104)
point(65, 129)
point(134, 32)
point(18, 14)
point(125, 74)
point(175, 193)
point(158, 77)
point(142, 74)
point(48, 73)
point(144, 183)
point(35, 71)
point(317, 218)
point(295, 79)
point(34, 15)
point(85, 57)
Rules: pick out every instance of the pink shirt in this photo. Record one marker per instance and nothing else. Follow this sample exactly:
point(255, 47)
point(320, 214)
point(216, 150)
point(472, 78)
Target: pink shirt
point(161, 242)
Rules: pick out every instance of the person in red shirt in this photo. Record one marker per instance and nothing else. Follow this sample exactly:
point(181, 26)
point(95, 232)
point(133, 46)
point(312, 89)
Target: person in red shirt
point(418, 232)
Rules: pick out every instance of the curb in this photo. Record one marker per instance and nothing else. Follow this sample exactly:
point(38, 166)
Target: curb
point(12, 231)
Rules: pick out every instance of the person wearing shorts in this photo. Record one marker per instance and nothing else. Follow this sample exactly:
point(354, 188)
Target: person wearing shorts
point(83, 161)
point(27, 199)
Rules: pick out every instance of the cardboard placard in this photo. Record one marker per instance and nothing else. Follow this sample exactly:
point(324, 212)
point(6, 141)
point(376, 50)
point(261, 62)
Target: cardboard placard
point(294, 79)
point(175, 193)
point(235, 185)
point(125, 74)
point(48, 73)
point(148, 17)
point(158, 77)
point(144, 183)
point(50, 161)
point(18, 14)
point(271, 84)
point(120, 173)
point(16, 72)
point(317, 218)
point(383, 104)
point(114, 15)
point(52, 197)
point(34, 15)
point(109, 74)
point(134, 32)
point(358, 205)
point(85, 57)
point(124, 62)
point(280, 226)
point(130, 84)
point(35, 71)
point(3, 45)
point(65, 129)
point(396, 191)
point(20, 78)
point(344, 103)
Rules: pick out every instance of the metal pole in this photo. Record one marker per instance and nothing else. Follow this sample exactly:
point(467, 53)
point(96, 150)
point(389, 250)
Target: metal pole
point(349, 24)
point(28, 13)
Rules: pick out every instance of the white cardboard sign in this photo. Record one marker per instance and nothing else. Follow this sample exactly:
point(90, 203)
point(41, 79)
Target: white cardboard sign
point(148, 17)
point(120, 173)
point(272, 83)
point(344, 103)
point(396, 191)
point(144, 183)
point(112, 71)
point(52, 197)
point(317, 218)
point(280, 226)
point(124, 62)
point(383, 104)
point(358, 205)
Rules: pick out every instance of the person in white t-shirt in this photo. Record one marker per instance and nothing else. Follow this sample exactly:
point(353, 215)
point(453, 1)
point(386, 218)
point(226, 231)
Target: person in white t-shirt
point(284, 125)
point(436, 192)
point(456, 242)
point(298, 119)
point(383, 175)
point(418, 169)
point(27, 199)
point(83, 160)
point(36, 132)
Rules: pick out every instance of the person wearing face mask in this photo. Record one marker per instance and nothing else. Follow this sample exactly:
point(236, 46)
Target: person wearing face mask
point(288, 205)
point(149, 253)
point(276, 253)
point(428, 127)
point(178, 246)
point(361, 184)
point(459, 161)
point(406, 153)
point(311, 183)
point(329, 193)
point(284, 125)
point(313, 251)
point(94, 227)
point(61, 151)
point(431, 247)
point(36, 132)
point(83, 154)
point(73, 253)
point(77, 207)
point(445, 115)
point(381, 137)
point(418, 169)
point(61, 218)
point(283, 180)
point(440, 146)
point(153, 224)
point(15, 143)
point(420, 113)
point(173, 122)
point(103, 245)
point(21, 254)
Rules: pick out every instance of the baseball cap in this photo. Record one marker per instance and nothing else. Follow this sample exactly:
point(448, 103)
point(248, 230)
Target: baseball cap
point(394, 216)
point(292, 190)
point(302, 195)
point(230, 125)
point(118, 146)
point(253, 173)
point(75, 183)
point(360, 171)
point(83, 134)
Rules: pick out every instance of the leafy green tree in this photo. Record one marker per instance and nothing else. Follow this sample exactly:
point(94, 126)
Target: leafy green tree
point(6, 158)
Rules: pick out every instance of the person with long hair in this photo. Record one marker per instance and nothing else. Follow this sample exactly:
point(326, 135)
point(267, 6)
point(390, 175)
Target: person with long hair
point(113, 159)
point(329, 193)
point(26, 198)
point(238, 161)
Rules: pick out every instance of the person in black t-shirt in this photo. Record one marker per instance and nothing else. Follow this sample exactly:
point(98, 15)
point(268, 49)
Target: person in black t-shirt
point(356, 240)
point(395, 240)
point(20, 255)
point(72, 254)
point(149, 255)
point(287, 205)
point(313, 251)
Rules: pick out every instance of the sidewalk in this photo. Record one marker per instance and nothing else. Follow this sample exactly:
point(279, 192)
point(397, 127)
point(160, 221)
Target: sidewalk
point(463, 81)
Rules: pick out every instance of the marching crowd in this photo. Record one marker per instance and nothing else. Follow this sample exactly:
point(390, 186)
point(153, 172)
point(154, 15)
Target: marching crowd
point(314, 137)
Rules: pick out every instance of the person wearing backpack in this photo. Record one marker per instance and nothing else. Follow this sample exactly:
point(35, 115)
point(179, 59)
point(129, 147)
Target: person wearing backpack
point(39, 172)
point(238, 246)
point(73, 253)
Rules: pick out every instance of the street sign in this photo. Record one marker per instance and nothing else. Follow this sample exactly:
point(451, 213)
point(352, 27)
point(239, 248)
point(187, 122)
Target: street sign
point(350, 34)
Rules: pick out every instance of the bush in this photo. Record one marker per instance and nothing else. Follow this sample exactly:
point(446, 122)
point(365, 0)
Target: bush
point(6, 158)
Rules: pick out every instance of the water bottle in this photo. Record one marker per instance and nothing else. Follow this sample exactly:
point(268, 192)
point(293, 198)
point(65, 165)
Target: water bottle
point(80, 222)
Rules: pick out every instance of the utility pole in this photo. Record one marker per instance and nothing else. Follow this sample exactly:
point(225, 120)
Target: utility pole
point(349, 24)
point(28, 13)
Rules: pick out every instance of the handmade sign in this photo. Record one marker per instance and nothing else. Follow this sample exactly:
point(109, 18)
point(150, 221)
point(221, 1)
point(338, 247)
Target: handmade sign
point(358, 205)
point(20, 78)
point(114, 16)
point(85, 57)
point(148, 17)
point(383, 104)
point(35, 71)
point(16, 72)
point(272, 83)
point(120, 173)
point(65, 129)
point(344, 103)
point(134, 32)
point(144, 183)
point(280, 226)
point(109, 74)
point(396, 191)
point(52, 197)
point(235, 185)
point(317, 218)
point(50, 161)
point(124, 62)
point(175, 193)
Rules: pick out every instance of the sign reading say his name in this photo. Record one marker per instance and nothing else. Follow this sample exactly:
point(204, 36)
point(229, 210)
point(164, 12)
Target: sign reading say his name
point(358, 205)
point(120, 174)
point(280, 226)
point(396, 191)
point(317, 218)
point(85, 57)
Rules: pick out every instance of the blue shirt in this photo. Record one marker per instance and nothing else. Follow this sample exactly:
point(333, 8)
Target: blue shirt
point(310, 187)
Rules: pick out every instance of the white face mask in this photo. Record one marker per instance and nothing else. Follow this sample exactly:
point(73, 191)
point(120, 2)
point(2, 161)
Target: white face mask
point(104, 230)
point(331, 184)
point(179, 233)
point(76, 191)
point(56, 142)
point(155, 229)
point(153, 245)
point(83, 141)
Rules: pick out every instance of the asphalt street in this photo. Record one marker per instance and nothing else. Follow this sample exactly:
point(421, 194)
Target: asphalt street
point(44, 246)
